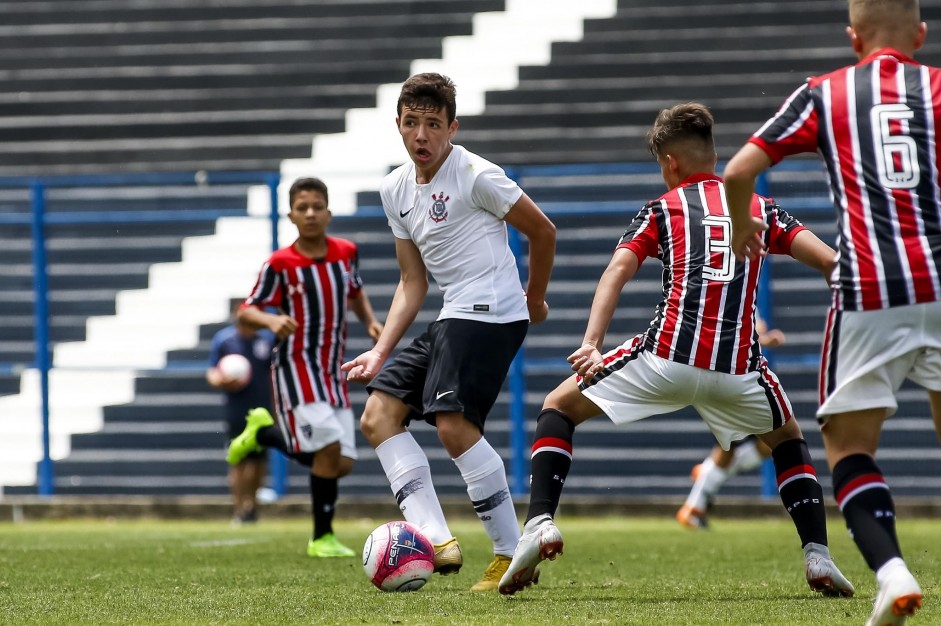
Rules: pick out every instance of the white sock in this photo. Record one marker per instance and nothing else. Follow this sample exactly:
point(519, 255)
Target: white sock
point(746, 458)
point(710, 479)
point(409, 474)
point(483, 471)
point(889, 569)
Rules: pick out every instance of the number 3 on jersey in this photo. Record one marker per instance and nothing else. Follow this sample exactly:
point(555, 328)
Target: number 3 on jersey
point(723, 271)
point(896, 152)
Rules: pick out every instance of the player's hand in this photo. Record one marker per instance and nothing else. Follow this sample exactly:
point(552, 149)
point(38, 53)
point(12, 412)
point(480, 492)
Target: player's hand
point(283, 326)
point(746, 239)
point(363, 368)
point(374, 330)
point(586, 361)
point(771, 338)
point(537, 312)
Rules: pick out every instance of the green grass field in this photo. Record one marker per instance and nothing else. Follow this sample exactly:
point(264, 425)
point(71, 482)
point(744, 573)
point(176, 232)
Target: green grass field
point(614, 571)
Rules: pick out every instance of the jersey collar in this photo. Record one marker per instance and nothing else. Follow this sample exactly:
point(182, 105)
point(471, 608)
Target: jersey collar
point(891, 52)
point(693, 179)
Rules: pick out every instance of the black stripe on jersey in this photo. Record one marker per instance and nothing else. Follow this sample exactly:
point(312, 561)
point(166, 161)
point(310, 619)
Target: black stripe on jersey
point(824, 145)
point(882, 224)
point(926, 189)
point(831, 364)
point(313, 315)
point(655, 209)
point(788, 115)
point(826, 148)
point(339, 326)
point(729, 331)
point(268, 282)
point(285, 377)
point(688, 323)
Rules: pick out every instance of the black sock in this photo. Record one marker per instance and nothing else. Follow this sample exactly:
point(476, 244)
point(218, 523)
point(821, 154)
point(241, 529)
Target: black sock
point(271, 437)
point(866, 503)
point(551, 460)
point(800, 492)
point(323, 500)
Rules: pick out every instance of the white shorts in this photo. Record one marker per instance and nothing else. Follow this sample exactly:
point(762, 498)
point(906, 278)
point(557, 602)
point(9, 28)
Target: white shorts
point(311, 427)
point(868, 354)
point(637, 384)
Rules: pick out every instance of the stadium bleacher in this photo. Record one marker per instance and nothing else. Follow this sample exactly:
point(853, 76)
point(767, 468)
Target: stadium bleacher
point(242, 85)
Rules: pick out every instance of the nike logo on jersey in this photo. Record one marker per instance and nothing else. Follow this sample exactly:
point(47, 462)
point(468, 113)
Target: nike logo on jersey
point(403, 214)
point(443, 394)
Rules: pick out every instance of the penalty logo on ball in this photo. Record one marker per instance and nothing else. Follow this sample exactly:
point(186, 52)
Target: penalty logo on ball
point(397, 557)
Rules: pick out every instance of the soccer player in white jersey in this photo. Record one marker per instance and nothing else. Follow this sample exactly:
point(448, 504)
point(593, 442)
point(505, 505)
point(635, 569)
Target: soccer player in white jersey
point(448, 210)
point(875, 125)
point(700, 350)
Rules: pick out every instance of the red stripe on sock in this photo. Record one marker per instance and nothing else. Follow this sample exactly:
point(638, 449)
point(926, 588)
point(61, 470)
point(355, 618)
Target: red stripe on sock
point(797, 469)
point(552, 442)
point(856, 483)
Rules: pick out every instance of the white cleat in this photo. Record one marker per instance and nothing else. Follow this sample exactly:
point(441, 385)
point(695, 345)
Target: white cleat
point(541, 540)
point(898, 600)
point(823, 575)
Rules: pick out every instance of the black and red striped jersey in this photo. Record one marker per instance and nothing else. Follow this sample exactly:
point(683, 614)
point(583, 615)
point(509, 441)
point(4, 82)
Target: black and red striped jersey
point(314, 292)
point(707, 315)
point(874, 124)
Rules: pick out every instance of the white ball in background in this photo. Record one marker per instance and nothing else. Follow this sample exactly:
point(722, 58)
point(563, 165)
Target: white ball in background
point(235, 367)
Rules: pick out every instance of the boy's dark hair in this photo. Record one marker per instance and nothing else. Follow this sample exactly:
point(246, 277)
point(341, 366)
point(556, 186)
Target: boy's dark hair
point(688, 122)
point(428, 92)
point(308, 184)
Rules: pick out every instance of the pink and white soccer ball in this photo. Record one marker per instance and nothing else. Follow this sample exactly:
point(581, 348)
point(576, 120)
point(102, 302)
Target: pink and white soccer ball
point(237, 367)
point(398, 557)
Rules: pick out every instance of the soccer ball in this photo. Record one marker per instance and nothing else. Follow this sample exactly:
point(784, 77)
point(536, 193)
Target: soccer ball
point(398, 557)
point(237, 367)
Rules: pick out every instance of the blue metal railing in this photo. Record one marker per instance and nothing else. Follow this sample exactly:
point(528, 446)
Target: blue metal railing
point(40, 218)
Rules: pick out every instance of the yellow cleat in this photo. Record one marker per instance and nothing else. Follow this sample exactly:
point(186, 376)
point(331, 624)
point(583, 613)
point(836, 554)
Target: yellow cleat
point(493, 574)
point(448, 557)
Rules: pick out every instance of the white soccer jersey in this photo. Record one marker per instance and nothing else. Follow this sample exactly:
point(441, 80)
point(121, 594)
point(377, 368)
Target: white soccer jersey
point(456, 221)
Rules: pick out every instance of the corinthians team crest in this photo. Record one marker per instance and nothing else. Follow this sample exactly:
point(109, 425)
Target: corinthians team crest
point(439, 209)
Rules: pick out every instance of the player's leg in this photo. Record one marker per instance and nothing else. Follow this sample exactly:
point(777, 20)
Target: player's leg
point(708, 478)
point(867, 355)
point(484, 474)
point(237, 491)
point(409, 473)
point(802, 496)
point(318, 431)
point(630, 386)
point(254, 469)
point(246, 442)
point(395, 398)
point(935, 399)
point(851, 440)
point(563, 409)
point(756, 403)
point(469, 364)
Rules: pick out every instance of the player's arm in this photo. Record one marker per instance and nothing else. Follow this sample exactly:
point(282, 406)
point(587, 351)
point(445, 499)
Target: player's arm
point(587, 361)
point(213, 376)
point(281, 325)
point(740, 175)
point(529, 219)
point(406, 303)
point(812, 252)
point(362, 308)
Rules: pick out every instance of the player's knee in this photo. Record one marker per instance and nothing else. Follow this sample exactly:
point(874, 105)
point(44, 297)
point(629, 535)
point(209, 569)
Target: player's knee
point(345, 466)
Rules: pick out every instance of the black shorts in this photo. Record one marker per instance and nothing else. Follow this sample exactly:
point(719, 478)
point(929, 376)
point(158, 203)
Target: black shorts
point(456, 365)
